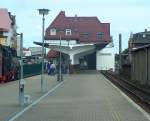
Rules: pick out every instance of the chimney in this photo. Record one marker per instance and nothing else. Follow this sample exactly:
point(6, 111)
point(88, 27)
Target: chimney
point(76, 17)
point(145, 30)
point(131, 35)
point(62, 13)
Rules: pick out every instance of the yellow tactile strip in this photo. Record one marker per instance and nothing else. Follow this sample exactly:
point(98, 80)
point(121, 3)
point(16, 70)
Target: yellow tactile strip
point(115, 114)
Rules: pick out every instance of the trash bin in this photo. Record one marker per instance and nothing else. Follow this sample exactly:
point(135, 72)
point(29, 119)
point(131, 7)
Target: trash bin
point(27, 99)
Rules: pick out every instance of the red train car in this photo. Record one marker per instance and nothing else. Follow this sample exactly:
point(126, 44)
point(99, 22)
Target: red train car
point(8, 64)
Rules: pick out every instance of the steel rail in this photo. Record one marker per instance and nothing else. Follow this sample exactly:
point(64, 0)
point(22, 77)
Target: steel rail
point(140, 94)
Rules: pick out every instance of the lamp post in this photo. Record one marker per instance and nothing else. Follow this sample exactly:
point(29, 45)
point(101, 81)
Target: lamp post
point(60, 76)
point(43, 12)
point(68, 59)
point(60, 67)
point(21, 81)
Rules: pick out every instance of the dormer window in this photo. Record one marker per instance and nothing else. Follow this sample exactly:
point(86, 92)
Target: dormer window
point(53, 31)
point(100, 35)
point(144, 35)
point(68, 32)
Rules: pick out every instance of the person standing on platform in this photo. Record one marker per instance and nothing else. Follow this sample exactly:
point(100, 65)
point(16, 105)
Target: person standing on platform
point(49, 68)
point(53, 69)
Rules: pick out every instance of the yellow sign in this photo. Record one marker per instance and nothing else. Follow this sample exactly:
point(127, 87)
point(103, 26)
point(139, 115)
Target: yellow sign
point(3, 41)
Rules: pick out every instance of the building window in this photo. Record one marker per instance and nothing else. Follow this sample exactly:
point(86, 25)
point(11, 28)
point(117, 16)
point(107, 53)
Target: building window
point(100, 35)
point(85, 35)
point(53, 32)
point(144, 35)
point(68, 32)
point(1, 33)
point(3, 41)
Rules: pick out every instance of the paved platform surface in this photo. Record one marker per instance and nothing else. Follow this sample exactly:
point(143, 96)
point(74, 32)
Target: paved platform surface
point(87, 96)
point(9, 94)
point(84, 97)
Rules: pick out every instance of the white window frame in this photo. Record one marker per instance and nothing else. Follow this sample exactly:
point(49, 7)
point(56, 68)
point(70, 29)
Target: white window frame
point(53, 31)
point(68, 32)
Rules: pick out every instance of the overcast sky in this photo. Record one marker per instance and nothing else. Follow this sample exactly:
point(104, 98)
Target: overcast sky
point(124, 16)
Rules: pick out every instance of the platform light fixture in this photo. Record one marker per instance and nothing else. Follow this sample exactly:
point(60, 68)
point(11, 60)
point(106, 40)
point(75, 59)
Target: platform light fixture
point(43, 12)
point(21, 81)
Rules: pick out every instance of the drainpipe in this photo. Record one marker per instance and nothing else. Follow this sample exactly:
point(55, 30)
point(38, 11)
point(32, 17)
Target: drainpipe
point(146, 74)
point(120, 50)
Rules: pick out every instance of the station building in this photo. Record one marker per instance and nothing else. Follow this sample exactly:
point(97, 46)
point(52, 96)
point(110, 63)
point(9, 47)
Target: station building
point(7, 28)
point(84, 41)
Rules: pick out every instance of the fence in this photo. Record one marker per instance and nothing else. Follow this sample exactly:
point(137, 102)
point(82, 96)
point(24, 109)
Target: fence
point(126, 71)
point(141, 65)
point(32, 69)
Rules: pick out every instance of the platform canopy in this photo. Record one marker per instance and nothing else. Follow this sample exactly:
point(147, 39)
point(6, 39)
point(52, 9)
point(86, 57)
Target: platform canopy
point(72, 47)
point(74, 50)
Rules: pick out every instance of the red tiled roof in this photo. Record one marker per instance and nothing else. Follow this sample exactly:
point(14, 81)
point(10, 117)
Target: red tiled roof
point(5, 21)
point(52, 54)
point(79, 26)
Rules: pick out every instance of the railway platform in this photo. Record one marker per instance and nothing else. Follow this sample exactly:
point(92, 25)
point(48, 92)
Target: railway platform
point(80, 97)
point(9, 104)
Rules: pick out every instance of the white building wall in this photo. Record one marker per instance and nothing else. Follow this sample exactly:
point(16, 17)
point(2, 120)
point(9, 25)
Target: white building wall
point(18, 45)
point(35, 50)
point(9, 41)
point(26, 53)
point(11, 36)
point(76, 59)
point(105, 58)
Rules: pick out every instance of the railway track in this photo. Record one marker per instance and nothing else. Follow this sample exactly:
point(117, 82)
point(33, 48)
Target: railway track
point(141, 96)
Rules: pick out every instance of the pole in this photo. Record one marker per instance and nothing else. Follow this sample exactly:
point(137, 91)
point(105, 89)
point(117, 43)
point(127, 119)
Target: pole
point(42, 75)
point(120, 50)
point(146, 54)
point(68, 61)
point(21, 81)
point(60, 76)
point(60, 69)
